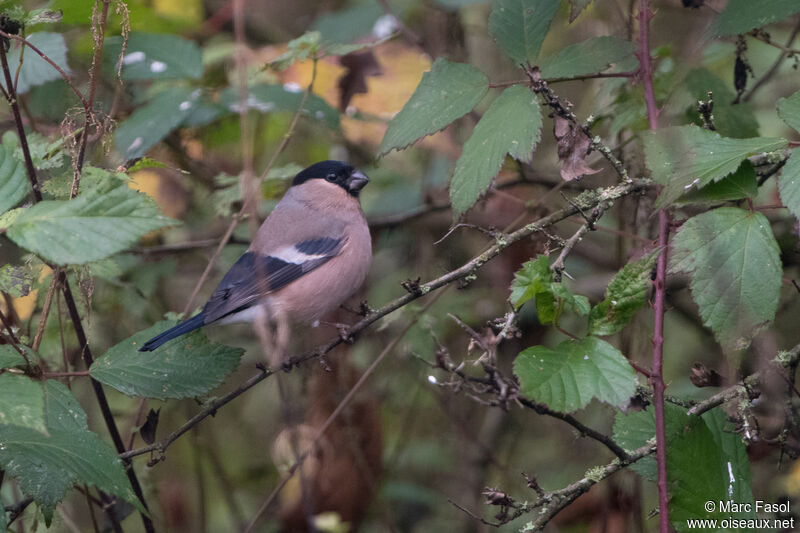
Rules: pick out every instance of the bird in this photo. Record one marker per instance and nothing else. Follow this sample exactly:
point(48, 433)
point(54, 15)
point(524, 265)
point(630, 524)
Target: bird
point(311, 253)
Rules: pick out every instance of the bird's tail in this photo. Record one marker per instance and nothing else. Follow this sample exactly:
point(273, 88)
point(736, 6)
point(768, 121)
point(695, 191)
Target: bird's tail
point(197, 321)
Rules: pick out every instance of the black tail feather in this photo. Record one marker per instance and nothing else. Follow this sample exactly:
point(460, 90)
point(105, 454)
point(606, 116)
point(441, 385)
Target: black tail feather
point(192, 324)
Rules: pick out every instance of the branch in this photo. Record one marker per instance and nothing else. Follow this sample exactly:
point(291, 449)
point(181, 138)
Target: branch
point(587, 200)
point(659, 308)
point(551, 503)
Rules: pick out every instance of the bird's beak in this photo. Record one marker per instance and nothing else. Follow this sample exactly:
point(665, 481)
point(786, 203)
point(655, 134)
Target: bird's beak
point(357, 181)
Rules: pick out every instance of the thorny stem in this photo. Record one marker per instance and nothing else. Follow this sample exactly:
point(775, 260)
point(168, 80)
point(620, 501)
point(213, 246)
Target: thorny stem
point(656, 376)
point(93, 70)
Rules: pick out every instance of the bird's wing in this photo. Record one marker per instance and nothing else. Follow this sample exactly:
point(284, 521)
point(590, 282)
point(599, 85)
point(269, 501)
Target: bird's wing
point(256, 275)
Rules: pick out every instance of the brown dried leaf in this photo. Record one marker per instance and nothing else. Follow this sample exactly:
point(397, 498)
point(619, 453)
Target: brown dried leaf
point(573, 147)
point(359, 65)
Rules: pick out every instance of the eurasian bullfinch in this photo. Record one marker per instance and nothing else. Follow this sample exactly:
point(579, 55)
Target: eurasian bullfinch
point(309, 255)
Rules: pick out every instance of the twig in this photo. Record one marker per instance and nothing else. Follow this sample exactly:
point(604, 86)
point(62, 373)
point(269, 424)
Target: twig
point(48, 301)
point(558, 265)
point(52, 63)
point(12, 100)
point(540, 87)
point(775, 66)
point(584, 430)
point(656, 376)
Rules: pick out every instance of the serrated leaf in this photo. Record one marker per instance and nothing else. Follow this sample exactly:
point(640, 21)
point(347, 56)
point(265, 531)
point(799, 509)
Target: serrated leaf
point(741, 184)
point(625, 295)
point(187, 367)
point(46, 467)
point(589, 57)
point(741, 16)
point(155, 56)
point(520, 26)
point(35, 70)
point(15, 280)
point(9, 357)
point(534, 277)
point(512, 125)
point(447, 92)
point(789, 110)
point(685, 157)
point(706, 460)
point(700, 470)
point(734, 264)
point(266, 98)
point(568, 378)
point(153, 121)
point(13, 181)
point(21, 402)
point(100, 222)
point(789, 183)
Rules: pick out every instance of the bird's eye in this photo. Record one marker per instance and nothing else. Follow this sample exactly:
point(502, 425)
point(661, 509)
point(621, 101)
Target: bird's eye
point(330, 177)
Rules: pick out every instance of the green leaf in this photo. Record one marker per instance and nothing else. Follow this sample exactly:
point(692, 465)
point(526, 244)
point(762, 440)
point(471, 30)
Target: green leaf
point(303, 47)
point(685, 157)
point(741, 16)
point(10, 358)
point(633, 430)
point(102, 221)
point(153, 121)
point(533, 278)
point(21, 402)
point(706, 460)
point(789, 183)
point(447, 92)
point(155, 56)
point(13, 181)
point(589, 57)
point(46, 467)
point(625, 295)
point(186, 367)
point(61, 409)
point(568, 378)
point(512, 125)
point(734, 264)
point(789, 110)
point(15, 280)
point(741, 184)
point(520, 26)
point(700, 468)
point(35, 70)
point(266, 98)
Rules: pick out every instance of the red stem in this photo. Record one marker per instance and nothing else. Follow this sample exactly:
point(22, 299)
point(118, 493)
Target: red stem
point(656, 377)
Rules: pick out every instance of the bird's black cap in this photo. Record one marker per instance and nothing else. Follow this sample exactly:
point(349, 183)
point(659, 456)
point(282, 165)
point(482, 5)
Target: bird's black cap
point(345, 176)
